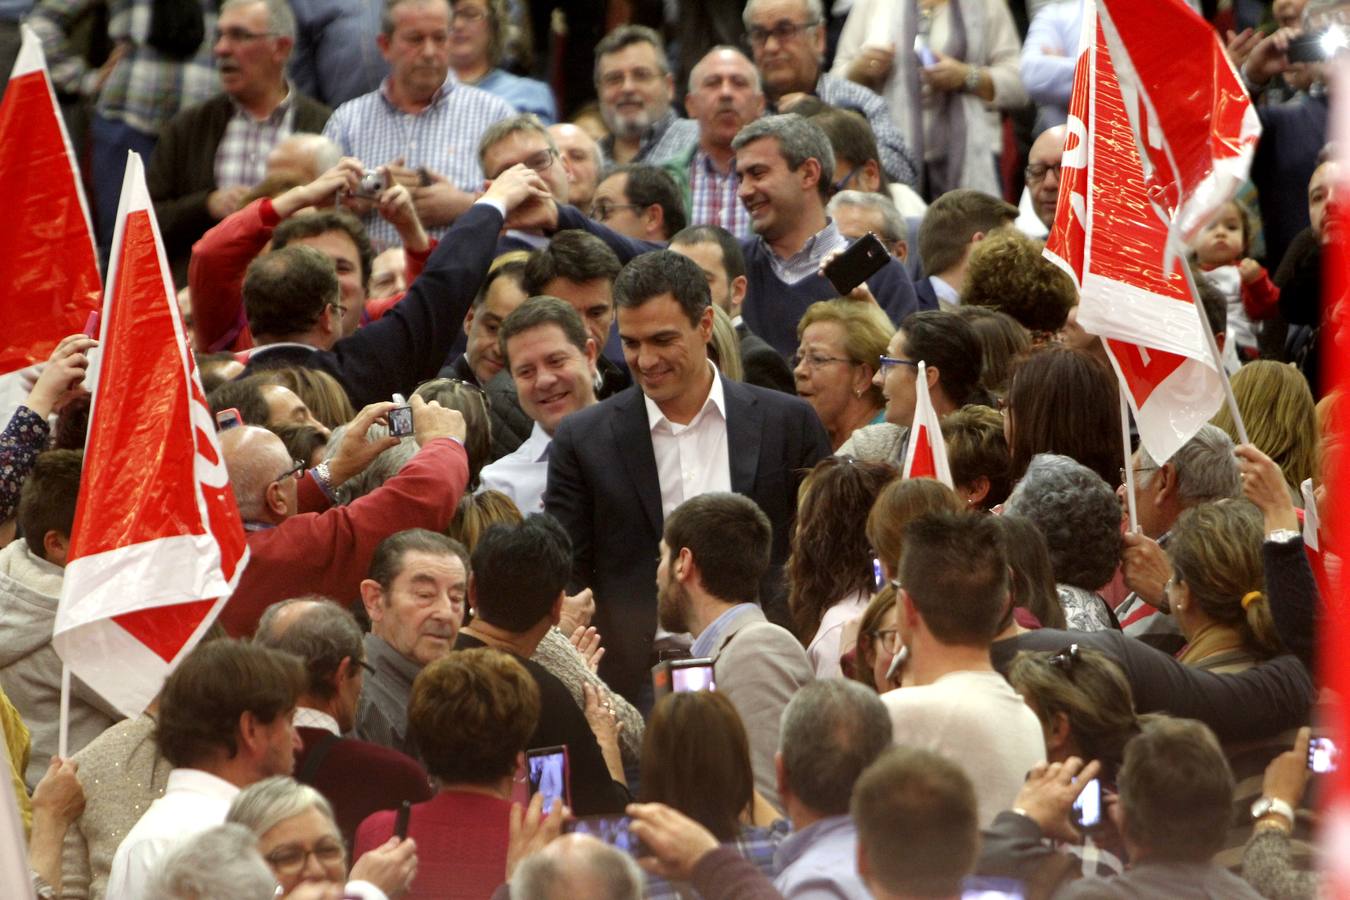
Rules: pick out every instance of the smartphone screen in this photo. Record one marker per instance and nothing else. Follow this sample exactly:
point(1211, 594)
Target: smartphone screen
point(228, 418)
point(979, 887)
point(692, 678)
point(548, 774)
point(1087, 809)
point(1323, 755)
point(401, 421)
point(613, 830)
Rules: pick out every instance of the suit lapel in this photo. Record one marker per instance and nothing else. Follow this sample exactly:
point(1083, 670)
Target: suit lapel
point(745, 420)
point(633, 441)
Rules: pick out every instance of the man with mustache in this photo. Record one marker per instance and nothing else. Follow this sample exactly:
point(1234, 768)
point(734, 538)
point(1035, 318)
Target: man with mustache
point(635, 89)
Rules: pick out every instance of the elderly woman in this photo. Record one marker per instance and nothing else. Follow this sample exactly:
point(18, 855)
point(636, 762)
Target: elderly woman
point(1080, 517)
point(477, 38)
point(839, 343)
point(299, 840)
point(471, 715)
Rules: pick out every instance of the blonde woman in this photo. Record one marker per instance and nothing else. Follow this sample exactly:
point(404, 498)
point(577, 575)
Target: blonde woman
point(838, 345)
point(1277, 407)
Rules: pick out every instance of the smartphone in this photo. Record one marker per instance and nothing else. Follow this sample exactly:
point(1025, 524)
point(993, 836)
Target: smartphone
point(979, 887)
point(1087, 809)
point(91, 325)
point(1323, 755)
point(401, 820)
point(613, 830)
point(682, 675)
point(878, 576)
point(549, 774)
point(401, 418)
point(228, 418)
point(926, 56)
point(858, 263)
point(1311, 47)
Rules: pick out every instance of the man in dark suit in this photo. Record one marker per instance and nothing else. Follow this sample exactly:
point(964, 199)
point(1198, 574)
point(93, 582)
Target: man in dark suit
point(618, 468)
point(356, 777)
point(718, 254)
point(211, 155)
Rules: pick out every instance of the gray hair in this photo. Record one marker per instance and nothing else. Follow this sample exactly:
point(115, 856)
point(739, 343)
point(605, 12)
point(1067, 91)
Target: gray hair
point(545, 875)
point(263, 805)
point(754, 72)
point(280, 19)
point(221, 863)
point(815, 10)
point(798, 141)
point(387, 13)
point(1077, 512)
point(892, 223)
point(1206, 468)
point(322, 636)
point(625, 36)
point(830, 732)
point(380, 470)
point(499, 131)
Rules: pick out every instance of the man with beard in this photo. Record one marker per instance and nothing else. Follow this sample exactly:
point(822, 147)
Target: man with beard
point(635, 89)
point(714, 551)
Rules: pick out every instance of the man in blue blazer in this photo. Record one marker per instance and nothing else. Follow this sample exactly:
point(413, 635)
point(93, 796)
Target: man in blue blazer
point(618, 468)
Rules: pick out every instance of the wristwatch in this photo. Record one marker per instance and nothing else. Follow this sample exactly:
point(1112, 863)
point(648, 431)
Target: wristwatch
point(1264, 806)
point(1282, 535)
point(972, 83)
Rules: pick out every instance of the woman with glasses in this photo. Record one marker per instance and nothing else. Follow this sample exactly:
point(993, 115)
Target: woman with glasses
point(838, 345)
point(479, 32)
point(298, 838)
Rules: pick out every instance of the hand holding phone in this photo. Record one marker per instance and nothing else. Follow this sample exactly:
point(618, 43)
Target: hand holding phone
point(616, 831)
point(401, 418)
point(863, 259)
point(401, 820)
point(1323, 755)
point(1087, 809)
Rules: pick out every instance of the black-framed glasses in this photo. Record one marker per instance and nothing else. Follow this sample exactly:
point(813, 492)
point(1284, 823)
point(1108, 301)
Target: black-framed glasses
point(782, 32)
point(604, 209)
point(1066, 659)
point(295, 471)
point(290, 859)
point(886, 363)
point(540, 160)
point(816, 360)
point(1038, 171)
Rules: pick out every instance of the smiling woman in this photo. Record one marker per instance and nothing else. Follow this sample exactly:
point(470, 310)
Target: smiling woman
point(840, 342)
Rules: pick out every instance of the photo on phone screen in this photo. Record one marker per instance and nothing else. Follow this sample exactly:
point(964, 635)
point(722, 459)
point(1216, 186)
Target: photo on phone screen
point(547, 771)
point(1323, 755)
point(1087, 809)
point(692, 678)
point(613, 830)
point(401, 421)
point(980, 887)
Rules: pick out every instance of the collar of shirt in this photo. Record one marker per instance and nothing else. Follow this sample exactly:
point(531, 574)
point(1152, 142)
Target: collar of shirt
point(800, 843)
point(276, 115)
point(657, 420)
point(944, 291)
point(197, 781)
point(807, 260)
point(388, 662)
point(305, 717)
point(707, 642)
point(437, 98)
point(536, 445)
point(705, 162)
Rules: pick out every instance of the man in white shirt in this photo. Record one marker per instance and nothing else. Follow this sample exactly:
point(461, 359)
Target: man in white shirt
point(955, 575)
point(551, 359)
point(224, 722)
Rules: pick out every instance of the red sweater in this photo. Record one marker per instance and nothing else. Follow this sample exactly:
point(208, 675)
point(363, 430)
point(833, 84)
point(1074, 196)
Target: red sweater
point(329, 553)
point(461, 844)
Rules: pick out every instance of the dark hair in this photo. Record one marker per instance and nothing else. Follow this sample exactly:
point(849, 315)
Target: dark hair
point(285, 291)
point(952, 220)
point(976, 448)
point(696, 758)
point(323, 394)
point(537, 312)
point(302, 441)
point(471, 714)
point(48, 497)
point(647, 185)
point(946, 342)
point(209, 367)
point(830, 559)
point(1002, 339)
point(323, 221)
point(243, 394)
point(954, 568)
point(519, 571)
point(1033, 576)
point(479, 511)
point(1007, 272)
point(322, 637)
point(664, 272)
point(625, 36)
point(387, 562)
point(733, 257)
point(71, 431)
point(1176, 791)
point(508, 265)
point(865, 656)
point(573, 255)
point(215, 684)
point(918, 822)
point(851, 137)
point(1063, 401)
point(832, 730)
point(730, 538)
point(470, 400)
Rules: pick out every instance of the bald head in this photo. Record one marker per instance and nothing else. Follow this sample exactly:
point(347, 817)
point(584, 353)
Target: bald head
point(578, 865)
point(1046, 152)
point(256, 460)
point(280, 616)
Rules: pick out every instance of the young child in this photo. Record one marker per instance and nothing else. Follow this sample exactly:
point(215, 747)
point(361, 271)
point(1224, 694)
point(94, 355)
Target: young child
point(1221, 253)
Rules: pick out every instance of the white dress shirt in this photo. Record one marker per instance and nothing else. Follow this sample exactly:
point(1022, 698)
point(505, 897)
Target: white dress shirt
point(944, 291)
point(521, 474)
point(193, 801)
point(691, 459)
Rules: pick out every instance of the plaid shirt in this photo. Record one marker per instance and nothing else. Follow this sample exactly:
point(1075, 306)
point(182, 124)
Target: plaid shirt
point(241, 155)
point(443, 138)
point(712, 197)
point(755, 845)
point(667, 138)
point(806, 261)
point(145, 89)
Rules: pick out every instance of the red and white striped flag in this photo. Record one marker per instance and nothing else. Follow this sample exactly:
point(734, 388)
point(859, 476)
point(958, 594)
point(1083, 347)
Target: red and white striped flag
point(1145, 316)
point(926, 455)
point(157, 544)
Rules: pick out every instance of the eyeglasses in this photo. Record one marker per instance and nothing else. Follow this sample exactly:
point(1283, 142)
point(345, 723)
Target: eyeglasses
point(843, 183)
point(1037, 171)
point(290, 859)
point(782, 32)
point(467, 15)
point(603, 210)
point(366, 667)
point(886, 363)
point(295, 471)
point(1137, 472)
point(889, 638)
point(815, 360)
point(239, 35)
point(639, 75)
point(541, 160)
point(1066, 659)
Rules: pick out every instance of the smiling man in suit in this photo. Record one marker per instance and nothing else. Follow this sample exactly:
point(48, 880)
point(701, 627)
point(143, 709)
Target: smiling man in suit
point(617, 469)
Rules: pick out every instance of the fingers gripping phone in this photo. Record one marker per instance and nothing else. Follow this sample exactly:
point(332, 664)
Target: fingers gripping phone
point(401, 418)
point(617, 831)
point(1087, 809)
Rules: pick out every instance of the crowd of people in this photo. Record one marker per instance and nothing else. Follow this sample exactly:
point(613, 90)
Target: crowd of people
point(539, 403)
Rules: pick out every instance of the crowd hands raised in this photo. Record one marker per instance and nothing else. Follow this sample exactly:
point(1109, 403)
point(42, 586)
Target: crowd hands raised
point(643, 425)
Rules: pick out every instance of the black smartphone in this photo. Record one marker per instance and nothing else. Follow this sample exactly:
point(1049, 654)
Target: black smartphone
point(858, 263)
point(549, 773)
point(401, 820)
point(1323, 755)
point(616, 831)
point(682, 675)
point(1087, 809)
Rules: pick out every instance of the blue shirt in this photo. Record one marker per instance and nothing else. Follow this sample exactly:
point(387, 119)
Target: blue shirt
point(525, 94)
point(820, 861)
point(712, 635)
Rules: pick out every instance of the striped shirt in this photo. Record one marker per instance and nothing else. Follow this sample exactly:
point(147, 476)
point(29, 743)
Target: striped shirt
point(241, 155)
point(712, 197)
point(806, 261)
point(443, 137)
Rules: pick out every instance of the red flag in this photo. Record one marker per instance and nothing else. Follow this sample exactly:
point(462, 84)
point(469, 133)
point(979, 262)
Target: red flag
point(1146, 317)
point(49, 267)
point(157, 543)
point(926, 455)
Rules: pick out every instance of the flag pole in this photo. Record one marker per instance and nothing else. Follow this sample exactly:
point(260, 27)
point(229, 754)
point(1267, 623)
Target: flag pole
point(1208, 332)
point(1129, 462)
point(63, 734)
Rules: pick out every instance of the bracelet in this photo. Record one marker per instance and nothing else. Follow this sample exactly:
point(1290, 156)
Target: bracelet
point(972, 82)
point(1282, 535)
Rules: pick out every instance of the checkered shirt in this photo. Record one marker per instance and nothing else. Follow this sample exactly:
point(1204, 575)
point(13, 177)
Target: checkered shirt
point(241, 156)
point(669, 137)
point(713, 200)
point(806, 261)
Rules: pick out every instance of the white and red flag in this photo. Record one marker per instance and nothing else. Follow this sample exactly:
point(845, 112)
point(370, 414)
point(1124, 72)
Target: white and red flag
point(157, 544)
point(1113, 241)
point(926, 455)
point(49, 266)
